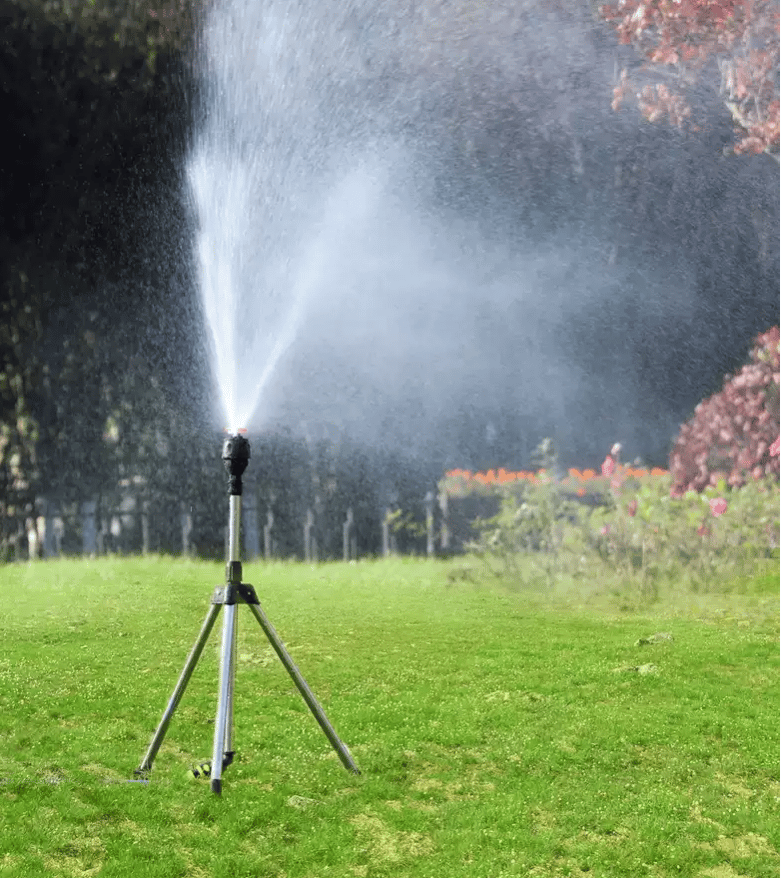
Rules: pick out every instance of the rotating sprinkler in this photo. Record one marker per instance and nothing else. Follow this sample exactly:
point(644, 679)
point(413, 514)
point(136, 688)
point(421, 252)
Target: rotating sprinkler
point(235, 456)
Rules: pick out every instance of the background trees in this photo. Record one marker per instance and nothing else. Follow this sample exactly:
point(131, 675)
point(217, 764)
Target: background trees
point(727, 47)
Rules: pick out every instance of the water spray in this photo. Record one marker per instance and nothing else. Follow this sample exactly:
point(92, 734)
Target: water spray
point(235, 457)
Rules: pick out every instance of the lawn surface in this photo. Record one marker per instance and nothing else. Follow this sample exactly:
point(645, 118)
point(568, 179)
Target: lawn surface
point(500, 731)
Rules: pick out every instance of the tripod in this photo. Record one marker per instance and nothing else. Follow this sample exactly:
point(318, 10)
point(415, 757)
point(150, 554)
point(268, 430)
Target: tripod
point(235, 456)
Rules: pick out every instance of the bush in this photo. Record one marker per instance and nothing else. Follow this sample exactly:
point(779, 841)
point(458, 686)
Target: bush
point(641, 532)
point(732, 433)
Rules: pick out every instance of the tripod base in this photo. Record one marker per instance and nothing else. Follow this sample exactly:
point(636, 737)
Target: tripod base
point(227, 597)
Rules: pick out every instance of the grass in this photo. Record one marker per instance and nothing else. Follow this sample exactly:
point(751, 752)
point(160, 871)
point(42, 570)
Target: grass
point(501, 731)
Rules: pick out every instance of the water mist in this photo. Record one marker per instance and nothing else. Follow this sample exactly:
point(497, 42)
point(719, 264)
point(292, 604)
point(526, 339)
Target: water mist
point(274, 186)
point(344, 279)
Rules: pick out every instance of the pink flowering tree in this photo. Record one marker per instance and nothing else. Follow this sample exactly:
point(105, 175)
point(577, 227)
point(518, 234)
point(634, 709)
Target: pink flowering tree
point(730, 46)
point(733, 435)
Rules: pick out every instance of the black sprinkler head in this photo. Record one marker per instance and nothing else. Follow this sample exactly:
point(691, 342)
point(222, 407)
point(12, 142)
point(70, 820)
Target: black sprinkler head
point(235, 456)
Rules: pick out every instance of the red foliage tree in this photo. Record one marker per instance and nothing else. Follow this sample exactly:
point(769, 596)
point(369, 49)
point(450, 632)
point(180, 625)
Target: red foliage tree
point(734, 42)
point(733, 434)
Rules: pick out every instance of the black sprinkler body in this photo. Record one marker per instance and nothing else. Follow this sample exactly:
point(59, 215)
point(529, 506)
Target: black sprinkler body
point(235, 457)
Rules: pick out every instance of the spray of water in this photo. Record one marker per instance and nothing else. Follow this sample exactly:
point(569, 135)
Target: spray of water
point(342, 279)
point(272, 190)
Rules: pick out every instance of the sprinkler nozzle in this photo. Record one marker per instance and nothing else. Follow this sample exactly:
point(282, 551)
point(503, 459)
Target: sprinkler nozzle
point(235, 456)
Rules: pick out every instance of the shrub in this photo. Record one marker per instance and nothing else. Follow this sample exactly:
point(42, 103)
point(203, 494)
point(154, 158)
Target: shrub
point(641, 532)
point(733, 434)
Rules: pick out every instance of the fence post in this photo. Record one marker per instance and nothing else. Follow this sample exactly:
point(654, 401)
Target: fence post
point(268, 547)
point(102, 526)
point(114, 532)
point(51, 544)
point(389, 546)
point(444, 542)
point(349, 547)
point(429, 501)
point(385, 525)
point(250, 526)
point(145, 527)
point(310, 544)
point(89, 531)
point(33, 538)
point(186, 519)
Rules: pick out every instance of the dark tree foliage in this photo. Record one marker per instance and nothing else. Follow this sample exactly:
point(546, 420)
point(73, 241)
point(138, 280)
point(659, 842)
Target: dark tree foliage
point(91, 98)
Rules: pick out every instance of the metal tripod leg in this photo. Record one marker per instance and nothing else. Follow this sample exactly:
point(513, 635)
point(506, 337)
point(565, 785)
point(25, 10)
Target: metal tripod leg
point(223, 732)
point(181, 685)
point(231, 689)
point(301, 685)
point(229, 597)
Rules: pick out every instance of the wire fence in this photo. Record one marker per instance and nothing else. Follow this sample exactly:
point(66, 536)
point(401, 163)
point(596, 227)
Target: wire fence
point(134, 525)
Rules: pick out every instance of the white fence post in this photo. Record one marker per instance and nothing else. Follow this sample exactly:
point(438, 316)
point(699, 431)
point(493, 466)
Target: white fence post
point(268, 545)
point(89, 530)
point(186, 520)
point(444, 542)
point(429, 501)
point(349, 542)
point(52, 534)
point(310, 543)
point(145, 527)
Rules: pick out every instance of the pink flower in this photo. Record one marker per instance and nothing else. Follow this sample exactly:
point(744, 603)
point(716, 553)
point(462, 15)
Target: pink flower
point(774, 449)
point(604, 530)
point(718, 506)
point(632, 508)
point(608, 467)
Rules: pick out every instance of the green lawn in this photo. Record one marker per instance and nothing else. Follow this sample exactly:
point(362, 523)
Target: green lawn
point(500, 731)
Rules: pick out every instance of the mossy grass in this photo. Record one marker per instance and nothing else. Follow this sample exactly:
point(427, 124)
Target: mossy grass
point(504, 727)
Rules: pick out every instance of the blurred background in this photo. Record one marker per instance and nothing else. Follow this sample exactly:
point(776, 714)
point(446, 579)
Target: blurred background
point(533, 263)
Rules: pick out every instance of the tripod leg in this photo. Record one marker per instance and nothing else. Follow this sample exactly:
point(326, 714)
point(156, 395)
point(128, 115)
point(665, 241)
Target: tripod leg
point(225, 698)
point(231, 688)
point(181, 685)
point(306, 692)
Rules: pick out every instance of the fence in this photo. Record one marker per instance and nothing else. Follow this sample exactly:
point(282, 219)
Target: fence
point(135, 525)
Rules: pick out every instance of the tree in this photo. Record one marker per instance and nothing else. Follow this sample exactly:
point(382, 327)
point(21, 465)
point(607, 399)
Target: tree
point(689, 42)
point(89, 92)
point(732, 434)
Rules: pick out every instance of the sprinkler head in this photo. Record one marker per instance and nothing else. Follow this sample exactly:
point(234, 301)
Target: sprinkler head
point(235, 456)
